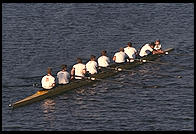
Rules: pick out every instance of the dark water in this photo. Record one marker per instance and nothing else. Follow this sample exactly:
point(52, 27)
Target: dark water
point(36, 36)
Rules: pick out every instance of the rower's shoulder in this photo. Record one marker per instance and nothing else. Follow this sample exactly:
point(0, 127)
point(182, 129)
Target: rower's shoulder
point(147, 44)
point(47, 76)
point(126, 47)
point(79, 64)
point(44, 76)
point(58, 72)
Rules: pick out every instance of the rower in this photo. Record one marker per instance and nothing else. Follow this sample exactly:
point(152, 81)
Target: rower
point(119, 57)
point(103, 60)
point(147, 49)
point(78, 69)
point(63, 76)
point(91, 66)
point(130, 51)
point(48, 81)
point(158, 46)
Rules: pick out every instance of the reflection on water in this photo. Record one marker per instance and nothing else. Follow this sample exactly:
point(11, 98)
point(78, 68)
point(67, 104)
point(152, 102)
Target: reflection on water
point(48, 107)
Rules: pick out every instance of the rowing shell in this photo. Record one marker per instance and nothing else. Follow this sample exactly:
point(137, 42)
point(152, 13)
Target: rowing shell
point(41, 95)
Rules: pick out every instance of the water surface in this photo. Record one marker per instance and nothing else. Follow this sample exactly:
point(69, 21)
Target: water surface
point(36, 36)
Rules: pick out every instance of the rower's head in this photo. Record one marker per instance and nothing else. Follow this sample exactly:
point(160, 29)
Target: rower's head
point(121, 49)
point(49, 70)
point(152, 44)
point(79, 60)
point(157, 42)
point(129, 44)
point(93, 57)
point(103, 53)
point(64, 67)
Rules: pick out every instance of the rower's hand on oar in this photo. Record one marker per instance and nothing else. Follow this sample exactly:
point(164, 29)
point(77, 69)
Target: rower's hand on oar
point(35, 85)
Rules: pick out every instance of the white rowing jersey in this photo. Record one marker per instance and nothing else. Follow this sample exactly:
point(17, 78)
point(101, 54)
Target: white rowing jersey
point(79, 70)
point(120, 57)
point(48, 81)
point(91, 67)
point(157, 47)
point(63, 77)
point(145, 50)
point(130, 51)
point(103, 61)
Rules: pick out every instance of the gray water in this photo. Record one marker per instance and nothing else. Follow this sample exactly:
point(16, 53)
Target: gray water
point(36, 36)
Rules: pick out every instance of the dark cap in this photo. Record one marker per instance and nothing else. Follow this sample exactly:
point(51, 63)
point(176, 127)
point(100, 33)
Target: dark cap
point(129, 44)
point(79, 60)
point(63, 66)
point(121, 49)
point(103, 52)
point(157, 40)
point(152, 44)
point(93, 57)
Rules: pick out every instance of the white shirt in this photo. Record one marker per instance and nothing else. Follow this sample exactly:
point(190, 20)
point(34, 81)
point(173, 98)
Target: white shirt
point(47, 81)
point(130, 51)
point(145, 50)
point(79, 70)
point(120, 57)
point(63, 77)
point(91, 67)
point(103, 61)
point(157, 47)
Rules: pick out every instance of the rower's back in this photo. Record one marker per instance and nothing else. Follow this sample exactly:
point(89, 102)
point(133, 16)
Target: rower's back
point(119, 57)
point(91, 66)
point(146, 49)
point(103, 60)
point(63, 76)
point(78, 69)
point(48, 81)
point(130, 50)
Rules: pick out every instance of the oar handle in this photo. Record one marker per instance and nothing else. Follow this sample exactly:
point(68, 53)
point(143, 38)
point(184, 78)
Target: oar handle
point(36, 85)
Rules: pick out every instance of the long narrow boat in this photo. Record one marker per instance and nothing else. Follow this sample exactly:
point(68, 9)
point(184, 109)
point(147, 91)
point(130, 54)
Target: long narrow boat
point(41, 95)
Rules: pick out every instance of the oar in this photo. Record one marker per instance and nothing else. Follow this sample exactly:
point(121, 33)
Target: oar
point(125, 70)
point(182, 54)
point(117, 82)
point(156, 74)
point(94, 79)
point(36, 85)
point(156, 62)
point(143, 60)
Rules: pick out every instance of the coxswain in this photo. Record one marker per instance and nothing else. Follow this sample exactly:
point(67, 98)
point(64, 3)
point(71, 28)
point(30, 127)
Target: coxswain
point(63, 76)
point(130, 51)
point(78, 69)
point(157, 46)
point(120, 57)
point(48, 81)
point(103, 60)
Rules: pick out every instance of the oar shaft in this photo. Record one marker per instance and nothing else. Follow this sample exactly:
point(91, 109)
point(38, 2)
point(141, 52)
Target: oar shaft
point(36, 85)
point(125, 70)
point(112, 81)
point(156, 62)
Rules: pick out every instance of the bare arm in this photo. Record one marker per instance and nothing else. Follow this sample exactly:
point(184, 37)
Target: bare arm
point(157, 52)
point(114, 58)
point(72, 73)
point(84, 71)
